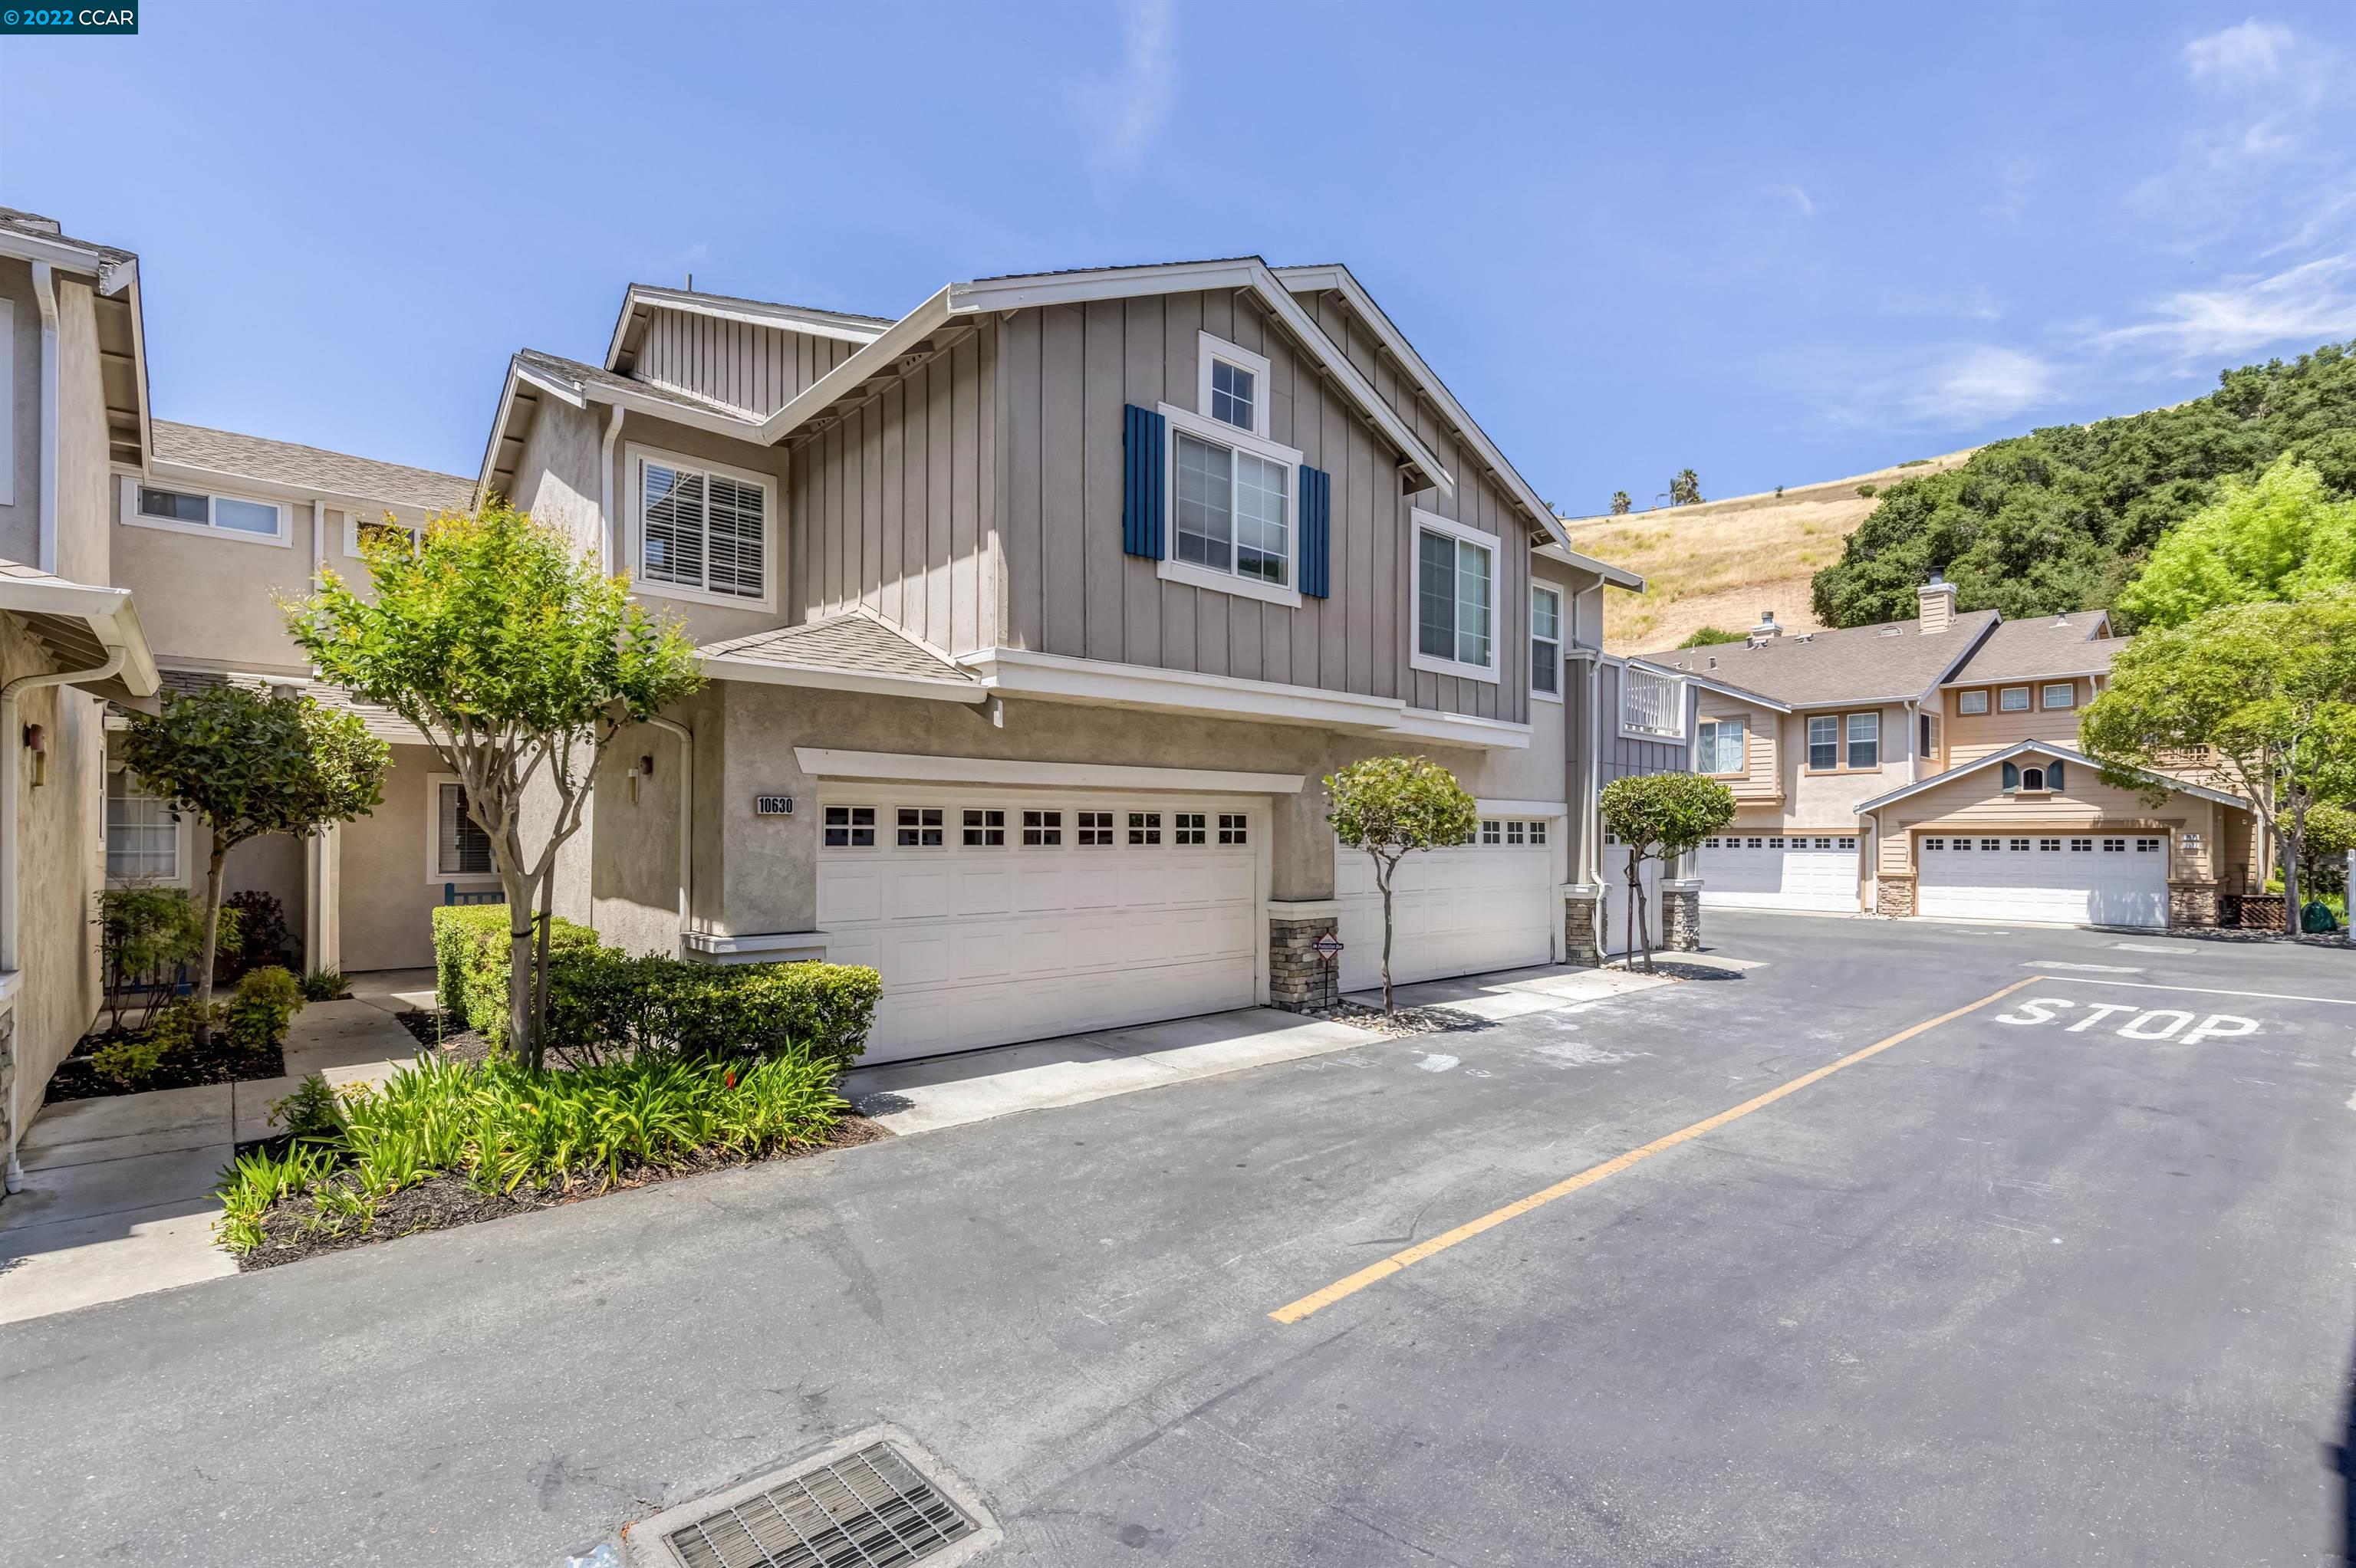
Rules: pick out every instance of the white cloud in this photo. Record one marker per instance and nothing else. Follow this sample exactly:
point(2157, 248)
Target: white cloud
point(2305, 304)
point(1982, 384)
point(2242, 56)
point(1796, 196)
point(1133, 106)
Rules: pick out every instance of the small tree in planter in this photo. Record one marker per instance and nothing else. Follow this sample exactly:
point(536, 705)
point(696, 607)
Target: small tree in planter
point(1660, 816)
point(1390, 808)
point(245, 763)
point(519, 662)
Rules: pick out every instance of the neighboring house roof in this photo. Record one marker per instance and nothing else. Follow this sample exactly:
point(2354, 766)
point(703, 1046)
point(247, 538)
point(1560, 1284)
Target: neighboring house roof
point(2075, 643)
point(283, 463)
point(854, 652)
point(2043, 749)
point(533, 374)
point(1892, 663)
point(16, 220)
point(383, 722)
point(80, 627)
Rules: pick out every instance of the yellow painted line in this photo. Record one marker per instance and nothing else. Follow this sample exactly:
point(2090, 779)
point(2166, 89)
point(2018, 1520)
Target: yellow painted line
point(1320, 1300)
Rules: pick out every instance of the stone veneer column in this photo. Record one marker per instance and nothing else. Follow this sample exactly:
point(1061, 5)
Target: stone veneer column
point(1893, 894)
point(1298, 981)
point(1681, 916)
point(8, 1128)
point(2193, 903)
point(1582, 926)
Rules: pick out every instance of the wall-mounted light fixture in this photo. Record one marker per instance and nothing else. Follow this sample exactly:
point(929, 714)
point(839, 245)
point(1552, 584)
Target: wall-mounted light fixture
point(36, 744)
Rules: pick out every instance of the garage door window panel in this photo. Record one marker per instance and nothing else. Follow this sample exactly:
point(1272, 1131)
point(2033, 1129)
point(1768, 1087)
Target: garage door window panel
point(849, 827)
point(918, 827)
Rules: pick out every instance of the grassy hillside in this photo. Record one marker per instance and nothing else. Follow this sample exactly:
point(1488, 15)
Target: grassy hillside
point(2061, 518)
point(1721, 562)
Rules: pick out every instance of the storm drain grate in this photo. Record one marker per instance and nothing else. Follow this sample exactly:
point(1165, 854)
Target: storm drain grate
point(871, 1509)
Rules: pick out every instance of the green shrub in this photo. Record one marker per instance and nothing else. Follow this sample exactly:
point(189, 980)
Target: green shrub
point(1868, 491)
point(470, 962)
point(260, 935)
point(129, 1059)
point(147, 936)
point(324, 985)
point(265, 1002)
point(501, 1126)
point(313, 1111)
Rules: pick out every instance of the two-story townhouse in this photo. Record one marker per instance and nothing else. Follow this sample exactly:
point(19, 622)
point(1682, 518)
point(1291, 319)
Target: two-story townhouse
point(1036, 616)
point(1931, 767)
point(73, 400)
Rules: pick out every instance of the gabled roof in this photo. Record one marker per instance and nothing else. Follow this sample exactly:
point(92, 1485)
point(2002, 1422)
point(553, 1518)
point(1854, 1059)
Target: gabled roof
point(2047, 645)
point(2043, 749)
point(533, 375)
point(121, 331)
point(640, 300)
point(334, 474)
point(857, 651)
point(381, 723)
point(1897, 662)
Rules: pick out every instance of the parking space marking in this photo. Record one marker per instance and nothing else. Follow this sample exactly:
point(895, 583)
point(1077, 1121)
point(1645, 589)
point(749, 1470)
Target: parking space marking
point(1317, 1301)
point(2090, 968)
point(2213, 990)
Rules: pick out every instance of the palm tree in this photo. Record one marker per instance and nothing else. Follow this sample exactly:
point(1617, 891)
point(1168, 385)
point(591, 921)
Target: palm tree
point(1685, 488)
point(1621, 504)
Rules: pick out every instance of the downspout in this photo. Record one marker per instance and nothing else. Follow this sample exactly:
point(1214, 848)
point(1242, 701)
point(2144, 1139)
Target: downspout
point(12, 740)
point(686, 814)
point(608, 545)
point(1914, 741)
point(1590, 835)
point(44, 291)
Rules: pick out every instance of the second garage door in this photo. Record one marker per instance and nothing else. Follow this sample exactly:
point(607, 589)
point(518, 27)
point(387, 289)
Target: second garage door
point(1486, 905)
point(995, 915)
point(2074, 879)
point(1802, 871)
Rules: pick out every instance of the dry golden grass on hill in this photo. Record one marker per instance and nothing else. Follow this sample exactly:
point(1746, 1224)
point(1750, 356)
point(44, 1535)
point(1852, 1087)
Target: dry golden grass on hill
point(1721, 562)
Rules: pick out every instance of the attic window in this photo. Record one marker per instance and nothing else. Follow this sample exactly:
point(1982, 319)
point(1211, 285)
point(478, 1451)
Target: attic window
point(1231, 385)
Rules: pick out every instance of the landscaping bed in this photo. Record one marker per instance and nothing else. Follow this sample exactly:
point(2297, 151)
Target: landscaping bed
point(294, 1228)
point(223, 1060)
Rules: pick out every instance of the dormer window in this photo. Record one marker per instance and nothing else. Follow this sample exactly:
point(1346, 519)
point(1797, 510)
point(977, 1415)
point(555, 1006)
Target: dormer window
point(2032, 781)
point(1232, 386)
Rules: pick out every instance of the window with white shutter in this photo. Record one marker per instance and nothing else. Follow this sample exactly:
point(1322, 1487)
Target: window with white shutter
point(703, 530)
point(461, 848)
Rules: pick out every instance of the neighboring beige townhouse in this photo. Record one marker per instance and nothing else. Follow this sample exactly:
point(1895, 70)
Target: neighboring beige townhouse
point(1034, 618)
point(1932, 767)
point(73, 401)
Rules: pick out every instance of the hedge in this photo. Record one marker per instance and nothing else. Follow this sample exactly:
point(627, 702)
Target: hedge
point(602, 1002)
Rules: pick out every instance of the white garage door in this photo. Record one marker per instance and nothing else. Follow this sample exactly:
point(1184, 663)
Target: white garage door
point(1489, 904)
point(2074, 878)
point(1768, 871)
point(997, 915)
point(1619, 934)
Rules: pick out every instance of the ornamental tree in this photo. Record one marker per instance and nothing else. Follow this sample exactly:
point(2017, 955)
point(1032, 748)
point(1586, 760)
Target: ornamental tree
point(519, 662)
point(2279, 537)
point(245, 763)
point(1391, 808)
point(1659, 816)
point(2257, 699)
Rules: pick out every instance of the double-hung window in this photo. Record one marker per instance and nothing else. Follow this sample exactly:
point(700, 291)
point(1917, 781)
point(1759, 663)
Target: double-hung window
point(1455, 599)
point(1233, 507)
point(1545, 640)
point(461, 848)
point(2012, 699)
point(163, 506)
point(2060, 694)
point(1864, 742)
point(1721, 751)
point(1971, 701)
point(1824, 742)
point(143, 835)
point(703, 532)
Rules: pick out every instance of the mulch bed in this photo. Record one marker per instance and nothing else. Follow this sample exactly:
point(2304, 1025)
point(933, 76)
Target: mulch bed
point(189, 1068)
point(1403, 1022)
point(442, 1201)
point(445, 1034)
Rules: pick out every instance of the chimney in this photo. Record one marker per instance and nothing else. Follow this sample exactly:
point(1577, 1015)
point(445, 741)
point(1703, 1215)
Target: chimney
point(1766, 631)
point(1937, 599)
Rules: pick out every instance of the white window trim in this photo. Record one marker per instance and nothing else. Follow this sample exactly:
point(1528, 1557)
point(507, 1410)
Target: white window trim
point(1207, 348)
point(1683, 700)
point(1561, 626)
point(772, 560)
point(401, 516)
point(434, 874)
point(1432, 522)
point(1720, 720)
point(2045, 692)
point(1170, 569)
point(183, 848)
point(1963, 698)
point(2027, 699)
point(131, 485)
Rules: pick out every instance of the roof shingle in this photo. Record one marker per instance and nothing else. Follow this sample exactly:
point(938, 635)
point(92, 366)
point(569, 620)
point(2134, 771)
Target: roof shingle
point(853, 643)
point(1854, 664)
point(309, 467)
point(2047, 645)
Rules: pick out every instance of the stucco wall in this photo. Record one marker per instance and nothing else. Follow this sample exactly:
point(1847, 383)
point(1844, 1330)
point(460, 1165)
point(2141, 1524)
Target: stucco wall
point(556, 475)
point(706, 622)
point(387, 899)
point(60, 869)
point(634, 874)
point(761, 874)
point(205, 598)
point(1827, 801)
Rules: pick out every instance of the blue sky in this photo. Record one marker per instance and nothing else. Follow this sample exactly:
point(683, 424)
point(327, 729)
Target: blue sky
point(1776, 243)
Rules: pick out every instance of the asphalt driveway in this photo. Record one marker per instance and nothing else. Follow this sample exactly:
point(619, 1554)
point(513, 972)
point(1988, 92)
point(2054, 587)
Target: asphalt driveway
point(2040, 1282)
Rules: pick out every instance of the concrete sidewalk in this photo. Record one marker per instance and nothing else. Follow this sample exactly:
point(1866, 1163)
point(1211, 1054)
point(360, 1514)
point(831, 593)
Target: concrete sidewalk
point(118, 1196)
point(1517, 993)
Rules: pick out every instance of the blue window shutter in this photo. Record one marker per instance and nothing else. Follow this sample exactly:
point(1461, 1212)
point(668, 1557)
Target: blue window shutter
point(2011, 776)
point(1316, 532)
point(2053, 774)
point(1143, 446)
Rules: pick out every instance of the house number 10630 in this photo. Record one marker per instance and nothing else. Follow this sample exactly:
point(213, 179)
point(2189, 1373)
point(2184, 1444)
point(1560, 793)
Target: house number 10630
point(773, 806)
